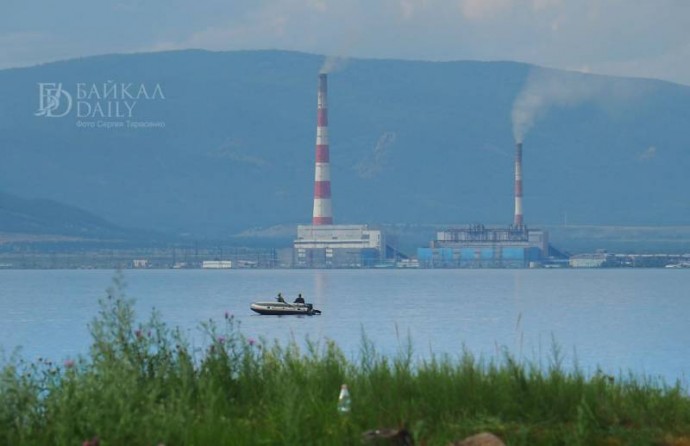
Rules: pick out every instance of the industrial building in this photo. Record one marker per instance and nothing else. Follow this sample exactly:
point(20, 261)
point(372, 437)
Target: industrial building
point(344, 246)
point(477, 246)
point(324, 244)
point(596, 260)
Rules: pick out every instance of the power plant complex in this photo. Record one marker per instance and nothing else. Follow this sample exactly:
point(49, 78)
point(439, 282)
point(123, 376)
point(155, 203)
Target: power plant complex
point(479, 247)
point(324, 244)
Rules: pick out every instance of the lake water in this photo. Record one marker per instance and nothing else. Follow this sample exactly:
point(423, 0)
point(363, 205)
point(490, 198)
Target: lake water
point(619, 320)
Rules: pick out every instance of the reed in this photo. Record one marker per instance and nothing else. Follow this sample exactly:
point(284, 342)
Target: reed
point(143, 384)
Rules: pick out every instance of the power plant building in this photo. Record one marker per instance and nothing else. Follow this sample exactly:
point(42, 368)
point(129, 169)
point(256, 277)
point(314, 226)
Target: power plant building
point(324, 244)
point(479, 247)
point(341, 246)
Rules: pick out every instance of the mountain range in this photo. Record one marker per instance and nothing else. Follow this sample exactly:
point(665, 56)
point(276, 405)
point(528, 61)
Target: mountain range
point(42, 219)
point(223, 142)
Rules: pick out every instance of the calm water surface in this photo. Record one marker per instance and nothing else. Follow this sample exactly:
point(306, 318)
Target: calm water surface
point(618, 320)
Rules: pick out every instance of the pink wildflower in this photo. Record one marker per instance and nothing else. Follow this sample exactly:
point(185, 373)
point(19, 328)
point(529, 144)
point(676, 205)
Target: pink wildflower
point(95, 441)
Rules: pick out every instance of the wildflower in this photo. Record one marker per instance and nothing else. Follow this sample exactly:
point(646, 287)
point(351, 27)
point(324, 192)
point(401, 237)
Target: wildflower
point(69, 363)
point(137, 333)
point(95, 441)
point(251, 342)
point(221, 339)
point(227, 315)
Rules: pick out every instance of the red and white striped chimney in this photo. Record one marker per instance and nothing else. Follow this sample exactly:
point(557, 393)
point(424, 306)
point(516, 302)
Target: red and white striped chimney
point(518, 185)
point(323, 212)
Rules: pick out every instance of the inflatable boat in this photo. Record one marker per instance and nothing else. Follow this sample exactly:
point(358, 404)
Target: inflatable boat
point(283, 308)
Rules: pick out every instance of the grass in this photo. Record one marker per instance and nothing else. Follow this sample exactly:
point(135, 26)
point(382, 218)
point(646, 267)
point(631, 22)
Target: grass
point(142, 384)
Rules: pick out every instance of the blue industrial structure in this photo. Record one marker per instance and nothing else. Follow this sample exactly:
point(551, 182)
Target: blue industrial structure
point(479, 247)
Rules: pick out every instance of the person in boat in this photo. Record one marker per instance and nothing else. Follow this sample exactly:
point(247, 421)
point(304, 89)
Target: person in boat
point(280, 298)
point(299, 300)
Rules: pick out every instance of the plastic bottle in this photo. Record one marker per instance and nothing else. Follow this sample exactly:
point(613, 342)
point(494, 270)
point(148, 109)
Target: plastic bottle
point(344, 400)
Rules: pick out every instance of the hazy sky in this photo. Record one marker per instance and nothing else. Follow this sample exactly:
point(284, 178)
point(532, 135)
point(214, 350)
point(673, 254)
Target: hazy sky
point(647, 38)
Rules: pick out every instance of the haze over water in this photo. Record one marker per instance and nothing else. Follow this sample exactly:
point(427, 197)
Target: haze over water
point(618, 320)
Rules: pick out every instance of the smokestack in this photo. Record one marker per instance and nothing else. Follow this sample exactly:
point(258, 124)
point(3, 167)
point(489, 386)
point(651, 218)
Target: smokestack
point(323, 212)
point(518, 185)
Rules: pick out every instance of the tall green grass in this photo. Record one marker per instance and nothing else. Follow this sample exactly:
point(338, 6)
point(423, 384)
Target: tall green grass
point(143, 384)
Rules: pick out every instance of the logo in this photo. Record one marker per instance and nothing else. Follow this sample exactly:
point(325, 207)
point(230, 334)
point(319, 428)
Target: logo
point(50, 100)
point(108, 105)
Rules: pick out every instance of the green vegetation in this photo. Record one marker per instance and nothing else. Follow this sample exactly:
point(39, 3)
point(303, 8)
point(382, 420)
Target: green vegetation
point(143, 384)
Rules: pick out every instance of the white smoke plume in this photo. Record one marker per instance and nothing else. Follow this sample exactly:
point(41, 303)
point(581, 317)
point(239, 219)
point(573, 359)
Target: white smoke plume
point(333, 63)
point(547, 88)
point(344, 41)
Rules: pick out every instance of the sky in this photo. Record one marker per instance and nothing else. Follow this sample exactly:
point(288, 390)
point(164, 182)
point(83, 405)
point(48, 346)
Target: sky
point(637, 38)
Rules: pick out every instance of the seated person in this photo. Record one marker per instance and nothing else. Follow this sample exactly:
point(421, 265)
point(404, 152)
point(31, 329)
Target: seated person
point(300, 299)
point(280, 298)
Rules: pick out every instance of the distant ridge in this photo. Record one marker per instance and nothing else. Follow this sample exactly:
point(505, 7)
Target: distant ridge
point(411, 142)
point(39, 219)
